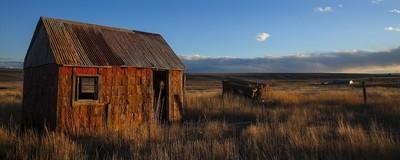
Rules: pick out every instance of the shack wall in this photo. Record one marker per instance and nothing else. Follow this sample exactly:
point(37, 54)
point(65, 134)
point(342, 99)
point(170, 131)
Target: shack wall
point(176, 95)
point(125, 99)
point(39, 96)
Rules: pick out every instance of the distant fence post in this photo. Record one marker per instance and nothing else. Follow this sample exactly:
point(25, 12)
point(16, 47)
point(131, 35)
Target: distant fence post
point(364, 92)
point(224, 92)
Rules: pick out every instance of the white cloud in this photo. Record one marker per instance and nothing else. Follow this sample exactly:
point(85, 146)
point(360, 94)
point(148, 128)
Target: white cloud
point(261, 37)
point(396, 11)
point(324, 9)
point(340, 5)
point(376, 1)
point(393, 29)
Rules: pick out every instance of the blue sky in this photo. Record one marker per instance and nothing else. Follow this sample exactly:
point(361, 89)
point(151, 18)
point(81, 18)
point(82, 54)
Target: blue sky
point(219, 28)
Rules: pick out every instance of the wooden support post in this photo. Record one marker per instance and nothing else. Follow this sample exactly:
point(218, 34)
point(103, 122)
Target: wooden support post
point(224, 92)
point(364, 92)
point(223, 88)
point(223, 105)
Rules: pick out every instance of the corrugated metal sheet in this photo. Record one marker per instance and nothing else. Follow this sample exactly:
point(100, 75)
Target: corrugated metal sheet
point(80, 44)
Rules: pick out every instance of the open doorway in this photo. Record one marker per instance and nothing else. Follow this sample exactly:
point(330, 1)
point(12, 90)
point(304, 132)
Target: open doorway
point(160, 86)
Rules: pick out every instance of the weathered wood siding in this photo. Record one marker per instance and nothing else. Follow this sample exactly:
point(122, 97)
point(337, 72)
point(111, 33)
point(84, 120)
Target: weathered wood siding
point(176, 95)
point(39, 52)
point(40, 96)
point(125, 91)
point(125, 99)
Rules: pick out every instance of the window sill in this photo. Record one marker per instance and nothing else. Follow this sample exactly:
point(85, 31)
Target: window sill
point(87, 102)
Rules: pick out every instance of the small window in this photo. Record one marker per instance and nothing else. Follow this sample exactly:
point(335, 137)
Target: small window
point(86, 88)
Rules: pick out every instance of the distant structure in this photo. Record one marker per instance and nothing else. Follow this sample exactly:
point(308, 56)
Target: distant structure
point(82, 77)
point(256, 91)
point(338, 82)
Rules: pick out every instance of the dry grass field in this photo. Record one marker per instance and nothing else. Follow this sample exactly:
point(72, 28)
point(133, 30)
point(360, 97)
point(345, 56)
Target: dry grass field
point(299, 120)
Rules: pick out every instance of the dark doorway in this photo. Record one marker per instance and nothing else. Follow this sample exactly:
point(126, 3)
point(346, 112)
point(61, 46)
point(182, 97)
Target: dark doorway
point(160, 85)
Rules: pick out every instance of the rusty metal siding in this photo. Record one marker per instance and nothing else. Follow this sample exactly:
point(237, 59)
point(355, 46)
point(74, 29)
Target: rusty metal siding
point(95, 47)
point(80, 44)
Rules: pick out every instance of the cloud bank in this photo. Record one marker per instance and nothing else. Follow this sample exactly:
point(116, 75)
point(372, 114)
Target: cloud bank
point(346, 62)
point(11, 63)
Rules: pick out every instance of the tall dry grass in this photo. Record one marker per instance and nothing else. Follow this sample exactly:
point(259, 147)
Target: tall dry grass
point(299, 124)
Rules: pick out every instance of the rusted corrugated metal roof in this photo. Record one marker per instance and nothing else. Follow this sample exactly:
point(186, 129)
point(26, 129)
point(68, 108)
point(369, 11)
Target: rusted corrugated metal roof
point(81, 44)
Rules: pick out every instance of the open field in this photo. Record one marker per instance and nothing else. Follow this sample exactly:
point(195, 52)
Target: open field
point(300, 120)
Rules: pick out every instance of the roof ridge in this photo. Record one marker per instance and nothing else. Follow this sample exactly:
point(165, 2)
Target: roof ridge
point(96, 25)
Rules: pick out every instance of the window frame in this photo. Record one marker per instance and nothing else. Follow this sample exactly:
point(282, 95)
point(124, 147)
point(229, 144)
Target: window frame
point(75, 89)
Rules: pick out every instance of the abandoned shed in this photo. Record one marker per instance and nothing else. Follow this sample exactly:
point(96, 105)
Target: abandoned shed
point(82, 77)
point(250, 89)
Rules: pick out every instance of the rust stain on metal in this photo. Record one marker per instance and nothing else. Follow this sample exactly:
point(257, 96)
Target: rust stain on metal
point(81, 44)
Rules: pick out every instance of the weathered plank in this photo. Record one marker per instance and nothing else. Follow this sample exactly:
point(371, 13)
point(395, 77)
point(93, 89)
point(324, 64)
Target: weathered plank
point(250, 89)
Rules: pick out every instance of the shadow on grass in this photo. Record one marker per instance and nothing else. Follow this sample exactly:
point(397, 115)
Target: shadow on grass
point(10, 114)
point(196, 115)
point(97, 147)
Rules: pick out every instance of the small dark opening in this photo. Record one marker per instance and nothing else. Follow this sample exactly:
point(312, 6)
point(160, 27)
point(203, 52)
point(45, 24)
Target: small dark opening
point(87, 88)
point(160, 86)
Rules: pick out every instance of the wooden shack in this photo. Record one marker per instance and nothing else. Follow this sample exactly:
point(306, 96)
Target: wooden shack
point(82, 77)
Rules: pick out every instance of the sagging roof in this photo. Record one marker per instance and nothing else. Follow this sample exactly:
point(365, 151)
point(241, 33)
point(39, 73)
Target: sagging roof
point(81, 44)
